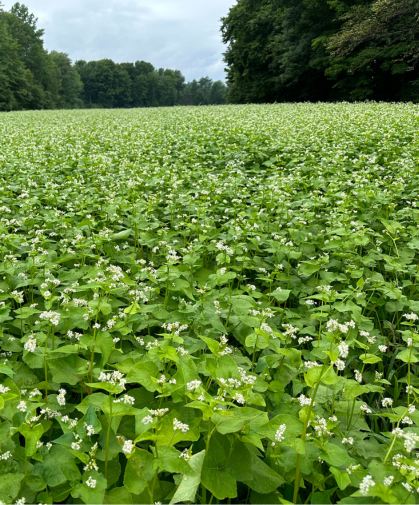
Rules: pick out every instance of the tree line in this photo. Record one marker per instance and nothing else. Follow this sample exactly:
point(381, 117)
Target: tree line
point(322, 50)
point(33, 78)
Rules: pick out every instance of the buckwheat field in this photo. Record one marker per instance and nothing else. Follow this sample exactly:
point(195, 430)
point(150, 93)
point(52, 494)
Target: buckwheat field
point(210, 305)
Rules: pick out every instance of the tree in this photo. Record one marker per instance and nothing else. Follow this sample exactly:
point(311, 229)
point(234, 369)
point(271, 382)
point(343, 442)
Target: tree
point(32, 78)
point(218, 93)
point(23, 28)
point(15, 86)
point(69, 80)
point(378, 44)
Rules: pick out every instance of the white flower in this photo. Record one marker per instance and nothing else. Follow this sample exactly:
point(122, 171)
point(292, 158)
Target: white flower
point(191, 386)
point(185, 454)
point(340, 364)
point(4, 389)
point(52, 317)
point(365, 409)
point(365, 485)
point(129, 400)
point(407, 420)
point(387, 402)
point(91, 465)
point(239, 398)
point(21, 501)
point(348, 440)
point(75, 446)
point(407, 486)
point(310, 364)
point(128, 447)
point(30, 345)
point(343, 349)
point(22, 406)
point(280, 432)
point(388, 481)
point(159, 412)
point(305, 401)
point(113, 378)
point(35, 392)
point(410, 440)
point(5, 456)
point(411, 317)
point(382, 348)
point(90, 429)
point(177, 425)
point(358, 376)
point(147, 419)
point(91, 482)
point(61, 397)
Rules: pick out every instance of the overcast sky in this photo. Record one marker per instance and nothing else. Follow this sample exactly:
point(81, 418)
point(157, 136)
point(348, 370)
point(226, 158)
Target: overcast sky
point(177, 34)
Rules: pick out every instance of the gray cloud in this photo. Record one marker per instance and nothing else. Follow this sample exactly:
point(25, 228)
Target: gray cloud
point(179, 34)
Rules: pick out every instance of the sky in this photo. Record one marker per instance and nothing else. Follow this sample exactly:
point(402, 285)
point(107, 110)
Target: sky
point(178, 34)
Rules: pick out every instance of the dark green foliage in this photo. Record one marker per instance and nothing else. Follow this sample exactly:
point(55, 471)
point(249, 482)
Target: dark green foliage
point(108, 84)
point(297, 50)
point(14, 79)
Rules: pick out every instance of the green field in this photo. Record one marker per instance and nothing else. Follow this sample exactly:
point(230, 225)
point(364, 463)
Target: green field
point(210, 305)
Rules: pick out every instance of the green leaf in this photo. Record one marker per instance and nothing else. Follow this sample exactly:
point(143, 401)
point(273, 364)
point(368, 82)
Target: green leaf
point(68, 370)
point(6, 371)
point(294, 428)
point(106, 386)
point(342, 478)
point(106, 344)
point(32, 434)
point(353, 389)
point(407, 356)
point(263, 479)
point(190, 483)
point(141, 373)
point(308, 268)
point(139, 471)
point(318, 373)
point(57, 467)
point(88, 494)
point(10, 485)
point(121, 235)
point(118, 495)
point(370, 358)
point(170, 460)
point(213, 345)
point(216, 476)
point(336, 456)
point(90, 418)
point(281, 295)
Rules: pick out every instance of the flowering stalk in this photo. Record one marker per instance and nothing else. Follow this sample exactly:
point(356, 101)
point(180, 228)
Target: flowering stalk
point(303, 435)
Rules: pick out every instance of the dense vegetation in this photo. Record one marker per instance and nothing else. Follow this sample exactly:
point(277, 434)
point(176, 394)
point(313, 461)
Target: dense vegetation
point(297, 50)
point(33, 78)
point(210, 305)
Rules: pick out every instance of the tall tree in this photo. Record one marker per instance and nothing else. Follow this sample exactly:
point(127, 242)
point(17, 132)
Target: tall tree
point(15, 80)
point(23, 28)
point(70, 85)
point(378, 49)
point(288, 50)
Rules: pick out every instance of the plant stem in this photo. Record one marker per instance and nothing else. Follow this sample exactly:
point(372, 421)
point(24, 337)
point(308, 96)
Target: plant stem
point(108, 434)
